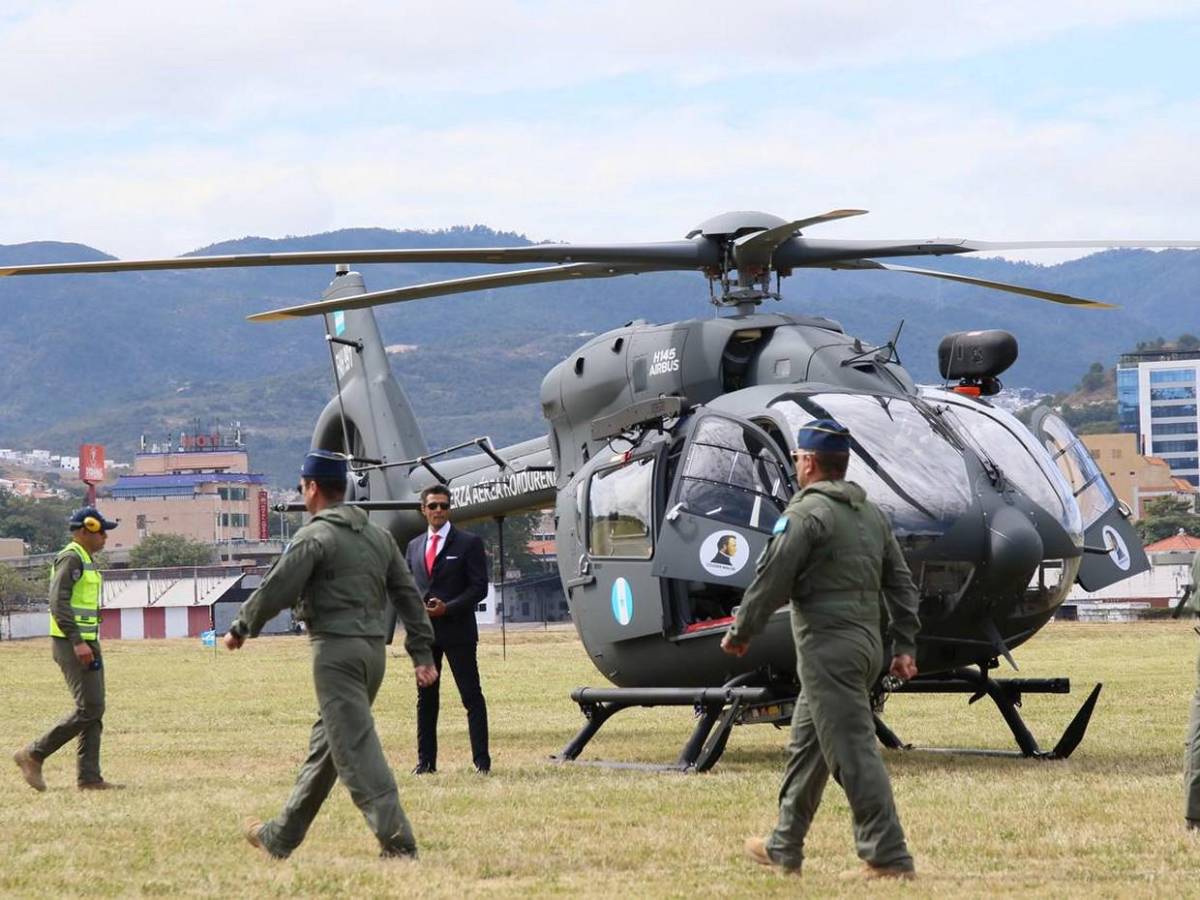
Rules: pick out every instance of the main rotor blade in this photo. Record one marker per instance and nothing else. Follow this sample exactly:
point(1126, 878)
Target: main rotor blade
point(755, 250)
point(452, 286)
point(800, 252)
point(979, 282)
point(683, 255)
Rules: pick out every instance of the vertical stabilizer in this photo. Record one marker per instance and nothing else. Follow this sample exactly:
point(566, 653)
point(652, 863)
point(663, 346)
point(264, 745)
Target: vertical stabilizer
point(369, 416)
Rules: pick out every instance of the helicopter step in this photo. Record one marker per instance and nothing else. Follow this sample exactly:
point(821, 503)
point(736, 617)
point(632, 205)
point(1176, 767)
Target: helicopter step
point(718, 710)
point(1006, 694)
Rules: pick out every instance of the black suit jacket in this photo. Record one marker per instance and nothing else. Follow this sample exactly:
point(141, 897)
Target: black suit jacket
point(459, 580)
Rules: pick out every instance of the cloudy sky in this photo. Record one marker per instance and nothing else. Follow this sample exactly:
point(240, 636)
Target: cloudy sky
point(152, 128)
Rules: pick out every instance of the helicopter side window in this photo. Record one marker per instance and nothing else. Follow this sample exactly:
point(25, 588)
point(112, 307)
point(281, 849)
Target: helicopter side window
point(731, 476)
point(619, 504)
point(1077, 466)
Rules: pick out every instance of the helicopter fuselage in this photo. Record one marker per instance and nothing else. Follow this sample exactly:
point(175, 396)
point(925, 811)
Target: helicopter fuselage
point(988, 524)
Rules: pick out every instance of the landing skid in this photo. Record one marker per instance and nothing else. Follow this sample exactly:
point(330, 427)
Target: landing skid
point(1006, 694)
point(717, 710)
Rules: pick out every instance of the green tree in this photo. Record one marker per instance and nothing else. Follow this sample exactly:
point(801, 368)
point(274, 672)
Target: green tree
point(162, 550)
point(518, 531)
point(1188, 342)
point(1166, 516)
point(1094, 380)
point(40, 523)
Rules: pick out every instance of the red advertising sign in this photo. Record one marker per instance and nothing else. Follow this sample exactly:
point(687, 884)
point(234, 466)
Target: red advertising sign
point(91, 463)
point(264, 525)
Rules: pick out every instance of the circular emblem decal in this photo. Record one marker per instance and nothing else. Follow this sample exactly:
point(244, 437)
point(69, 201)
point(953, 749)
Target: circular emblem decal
point(724, 553)
point(622, 601)
point(1117, 551)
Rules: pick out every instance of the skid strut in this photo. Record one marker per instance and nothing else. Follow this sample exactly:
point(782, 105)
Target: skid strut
point(1006, 694)
point(717, 710)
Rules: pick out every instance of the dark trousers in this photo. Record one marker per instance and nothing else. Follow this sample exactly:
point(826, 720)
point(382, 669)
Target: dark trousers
point(465, 666)
point(347, 673)
point(86, 720)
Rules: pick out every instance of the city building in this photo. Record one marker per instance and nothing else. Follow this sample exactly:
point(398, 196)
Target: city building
point(199, 487)
point(1156, 400)
point(1136, 479)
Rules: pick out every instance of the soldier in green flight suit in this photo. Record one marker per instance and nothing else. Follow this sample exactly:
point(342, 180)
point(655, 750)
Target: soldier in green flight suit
point(834, 556)
point(75, 634)
point(1191, 764)
point(339, 572)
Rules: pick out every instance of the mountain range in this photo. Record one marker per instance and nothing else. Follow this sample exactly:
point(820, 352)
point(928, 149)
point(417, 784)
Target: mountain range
point(106, 358)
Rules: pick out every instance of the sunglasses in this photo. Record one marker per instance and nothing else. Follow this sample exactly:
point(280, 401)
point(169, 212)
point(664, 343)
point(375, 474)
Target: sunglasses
point(437, 505)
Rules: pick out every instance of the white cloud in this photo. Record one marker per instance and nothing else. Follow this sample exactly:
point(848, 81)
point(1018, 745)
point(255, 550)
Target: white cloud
point(113, 64)
point(144, 131)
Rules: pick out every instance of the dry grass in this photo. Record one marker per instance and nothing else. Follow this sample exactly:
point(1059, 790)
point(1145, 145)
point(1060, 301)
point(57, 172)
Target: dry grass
point(203, 739)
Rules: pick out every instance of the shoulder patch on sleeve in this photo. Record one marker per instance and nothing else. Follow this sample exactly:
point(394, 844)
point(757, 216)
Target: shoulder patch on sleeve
point(76, 574)
point(781, 525)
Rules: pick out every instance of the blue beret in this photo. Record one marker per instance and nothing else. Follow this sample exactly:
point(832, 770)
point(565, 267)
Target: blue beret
point(823, 436)
point(324, 465)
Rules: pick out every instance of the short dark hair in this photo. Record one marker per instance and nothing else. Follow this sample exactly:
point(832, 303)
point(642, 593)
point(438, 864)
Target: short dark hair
point(833, 465)
point(440, 489)
point(330, 490)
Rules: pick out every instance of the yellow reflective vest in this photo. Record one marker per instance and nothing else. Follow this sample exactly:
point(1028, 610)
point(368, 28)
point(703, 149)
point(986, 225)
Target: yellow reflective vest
point(85, 597)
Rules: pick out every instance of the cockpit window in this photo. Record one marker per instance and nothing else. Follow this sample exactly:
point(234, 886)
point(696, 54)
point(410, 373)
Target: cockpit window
point(998, 436)
point(1077, 466)
point(731, 475)
point(619, 504)
point(908, 468)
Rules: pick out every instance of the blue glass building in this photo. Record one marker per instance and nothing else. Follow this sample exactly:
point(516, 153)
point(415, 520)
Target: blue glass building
point(1157, 400)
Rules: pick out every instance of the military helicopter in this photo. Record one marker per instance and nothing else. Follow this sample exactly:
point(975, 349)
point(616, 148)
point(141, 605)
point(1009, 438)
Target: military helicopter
point(667, 462)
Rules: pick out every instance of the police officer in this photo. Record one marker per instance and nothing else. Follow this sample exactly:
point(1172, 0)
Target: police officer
point(75, 633)
point(833, 554)
point(343, 570)
point(1191, 764)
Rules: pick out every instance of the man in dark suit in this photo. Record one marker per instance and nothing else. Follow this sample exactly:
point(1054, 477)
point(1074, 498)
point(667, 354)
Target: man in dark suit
point(450, 569)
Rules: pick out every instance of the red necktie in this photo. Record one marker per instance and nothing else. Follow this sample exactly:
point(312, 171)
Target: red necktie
point(431, 553)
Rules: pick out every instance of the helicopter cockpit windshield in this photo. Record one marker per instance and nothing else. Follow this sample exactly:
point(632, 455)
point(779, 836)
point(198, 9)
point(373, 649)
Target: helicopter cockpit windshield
point(1001, 439)
point(909, 468)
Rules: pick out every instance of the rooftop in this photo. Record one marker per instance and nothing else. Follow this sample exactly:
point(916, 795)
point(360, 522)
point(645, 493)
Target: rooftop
point(1174, 544)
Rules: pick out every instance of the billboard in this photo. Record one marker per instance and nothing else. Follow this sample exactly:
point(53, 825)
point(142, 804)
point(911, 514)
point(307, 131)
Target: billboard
point(91, 463)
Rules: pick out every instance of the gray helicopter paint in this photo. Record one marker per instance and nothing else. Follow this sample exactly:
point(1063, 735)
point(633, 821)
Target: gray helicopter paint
point(683, 359)
point(639, 650)
point(681, 551)
point(479, 489)
point(374, 406)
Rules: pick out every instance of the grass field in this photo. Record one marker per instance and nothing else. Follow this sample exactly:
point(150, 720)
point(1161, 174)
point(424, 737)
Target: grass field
point(203, 739)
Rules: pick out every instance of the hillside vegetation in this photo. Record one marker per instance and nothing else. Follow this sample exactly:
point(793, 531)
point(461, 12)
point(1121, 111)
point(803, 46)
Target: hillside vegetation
point(106, 358)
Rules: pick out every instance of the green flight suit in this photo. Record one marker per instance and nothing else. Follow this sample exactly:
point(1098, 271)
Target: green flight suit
point(833, 555)
point(339, 572)
point(1191, 762)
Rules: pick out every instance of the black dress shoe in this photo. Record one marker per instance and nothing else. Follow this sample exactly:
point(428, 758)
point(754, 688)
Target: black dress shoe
point(424, 769)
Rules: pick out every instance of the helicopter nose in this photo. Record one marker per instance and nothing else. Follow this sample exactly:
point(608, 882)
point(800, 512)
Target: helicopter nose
point(1014, 548)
